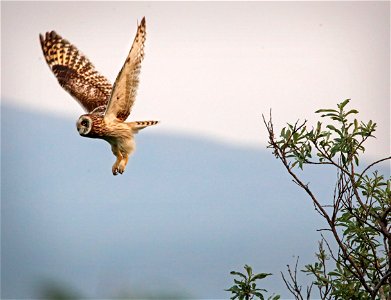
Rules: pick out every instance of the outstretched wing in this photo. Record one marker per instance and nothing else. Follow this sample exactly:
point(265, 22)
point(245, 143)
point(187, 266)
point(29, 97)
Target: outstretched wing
point(75, 73)
point(125, 86)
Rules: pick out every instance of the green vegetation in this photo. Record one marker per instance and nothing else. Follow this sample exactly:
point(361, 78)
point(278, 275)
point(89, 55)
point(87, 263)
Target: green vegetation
point(245, 287)
point(358, 215)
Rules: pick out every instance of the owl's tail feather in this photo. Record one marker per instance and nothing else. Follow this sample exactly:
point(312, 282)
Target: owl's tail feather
point(138, 125)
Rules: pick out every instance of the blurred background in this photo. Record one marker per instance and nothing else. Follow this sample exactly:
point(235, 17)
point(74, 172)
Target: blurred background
point(202, 195)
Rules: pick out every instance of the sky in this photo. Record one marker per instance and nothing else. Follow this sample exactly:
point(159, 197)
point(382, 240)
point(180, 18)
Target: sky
point(213, 68)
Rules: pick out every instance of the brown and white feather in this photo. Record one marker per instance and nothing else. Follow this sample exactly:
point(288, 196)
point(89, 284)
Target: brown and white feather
point(107, 106)
point(126, 84)
point(75, 73)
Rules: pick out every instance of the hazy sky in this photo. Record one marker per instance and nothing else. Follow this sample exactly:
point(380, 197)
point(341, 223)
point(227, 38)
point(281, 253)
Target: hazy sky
point(212, 68)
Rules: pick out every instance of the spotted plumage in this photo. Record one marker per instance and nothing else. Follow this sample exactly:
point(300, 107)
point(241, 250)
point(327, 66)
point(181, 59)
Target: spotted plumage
point(74, 72)
point(107, 106)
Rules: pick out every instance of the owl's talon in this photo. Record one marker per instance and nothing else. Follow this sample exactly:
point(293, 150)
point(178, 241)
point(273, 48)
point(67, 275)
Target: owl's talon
point(115, 170)
point(122, 166)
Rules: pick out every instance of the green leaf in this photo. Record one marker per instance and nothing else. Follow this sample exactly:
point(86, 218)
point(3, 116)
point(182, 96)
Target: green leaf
point(295, 136)
point(343, 157)
point(260, 276)
point(353, 111)
point(356, 160)
point(249, 270)
point(259, 295)
point(326, 110)
point(288, 134)
point(318, 127)
point(234, 288)
point(330, 115)
point(238, 273)
point(343, 104)
point(332, 127)
point(283, 132)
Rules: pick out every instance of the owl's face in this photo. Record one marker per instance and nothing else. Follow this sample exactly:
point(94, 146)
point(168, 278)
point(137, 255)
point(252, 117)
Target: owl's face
point(84, 125)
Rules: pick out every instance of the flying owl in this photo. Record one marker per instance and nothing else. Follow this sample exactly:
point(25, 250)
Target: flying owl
point(107, 106)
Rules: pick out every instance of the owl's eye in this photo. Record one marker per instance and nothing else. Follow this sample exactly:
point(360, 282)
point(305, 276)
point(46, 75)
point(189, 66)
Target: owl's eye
point(84, 123)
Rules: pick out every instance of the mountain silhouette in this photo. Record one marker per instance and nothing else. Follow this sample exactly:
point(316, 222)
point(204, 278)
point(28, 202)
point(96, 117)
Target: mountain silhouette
point(186, 212)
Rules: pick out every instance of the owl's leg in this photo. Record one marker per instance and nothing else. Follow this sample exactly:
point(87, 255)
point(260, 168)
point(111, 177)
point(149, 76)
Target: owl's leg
point(123, 163)
point(115, 168)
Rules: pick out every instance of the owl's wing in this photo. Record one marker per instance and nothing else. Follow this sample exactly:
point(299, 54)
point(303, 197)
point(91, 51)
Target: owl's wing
point(125, 86)
point(75, 73)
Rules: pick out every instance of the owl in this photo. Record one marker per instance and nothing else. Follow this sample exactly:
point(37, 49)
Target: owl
point(107, 106)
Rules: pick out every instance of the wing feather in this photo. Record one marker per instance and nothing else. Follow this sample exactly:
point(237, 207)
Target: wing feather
point(125, 86)
point(74, 72)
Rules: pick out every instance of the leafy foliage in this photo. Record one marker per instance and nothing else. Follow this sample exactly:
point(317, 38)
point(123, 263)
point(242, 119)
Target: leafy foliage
point(359, 213)
point(345, 138)
point(245, 287)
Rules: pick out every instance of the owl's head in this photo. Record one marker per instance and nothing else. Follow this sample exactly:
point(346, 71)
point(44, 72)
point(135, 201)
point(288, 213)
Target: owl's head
point(84, 125)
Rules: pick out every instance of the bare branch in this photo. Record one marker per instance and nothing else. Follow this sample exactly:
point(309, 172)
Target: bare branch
point(371, 165)
point(382, 281)
point(293, 286)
